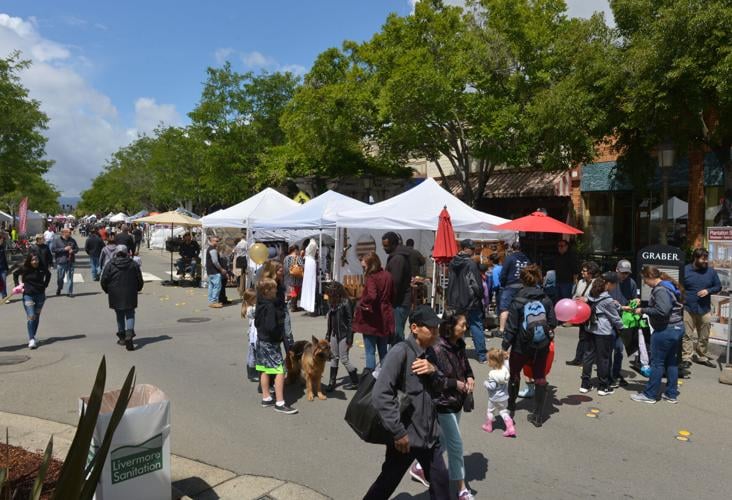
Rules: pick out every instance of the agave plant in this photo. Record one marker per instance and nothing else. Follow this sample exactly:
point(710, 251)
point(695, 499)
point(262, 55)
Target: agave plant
point(79, 478)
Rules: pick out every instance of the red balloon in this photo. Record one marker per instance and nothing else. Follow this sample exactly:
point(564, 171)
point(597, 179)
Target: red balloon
point(583, 313)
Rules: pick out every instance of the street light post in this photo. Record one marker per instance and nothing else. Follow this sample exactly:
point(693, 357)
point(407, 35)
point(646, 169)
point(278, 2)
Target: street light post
point(665, 162)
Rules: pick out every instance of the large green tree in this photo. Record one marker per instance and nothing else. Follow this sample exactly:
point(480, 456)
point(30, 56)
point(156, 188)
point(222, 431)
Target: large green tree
point(238, 118)
point(330, 122)
point(674, 84)
point(22, 143)
point(479, 88)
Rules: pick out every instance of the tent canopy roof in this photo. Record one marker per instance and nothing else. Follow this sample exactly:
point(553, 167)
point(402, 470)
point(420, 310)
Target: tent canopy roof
point(174, 218)
point(419, 208)
point(264, 205)
point(677, 209)
point(319, 213)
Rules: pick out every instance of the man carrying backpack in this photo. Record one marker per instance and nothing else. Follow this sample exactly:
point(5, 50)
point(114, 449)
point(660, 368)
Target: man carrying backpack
point(529, 331)
point(465, 294)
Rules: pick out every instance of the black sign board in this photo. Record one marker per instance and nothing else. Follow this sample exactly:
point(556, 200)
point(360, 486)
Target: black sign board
point(666, 258)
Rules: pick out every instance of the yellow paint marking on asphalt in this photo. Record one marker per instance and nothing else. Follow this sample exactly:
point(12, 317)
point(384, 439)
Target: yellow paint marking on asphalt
point(591, 415)
point(684, 432)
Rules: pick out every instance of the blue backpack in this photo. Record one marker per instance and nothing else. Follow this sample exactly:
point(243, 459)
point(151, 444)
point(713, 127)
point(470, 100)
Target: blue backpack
point(534, 329)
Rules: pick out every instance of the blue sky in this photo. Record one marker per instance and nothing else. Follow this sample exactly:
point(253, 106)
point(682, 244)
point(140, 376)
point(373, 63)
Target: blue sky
point(106, 71)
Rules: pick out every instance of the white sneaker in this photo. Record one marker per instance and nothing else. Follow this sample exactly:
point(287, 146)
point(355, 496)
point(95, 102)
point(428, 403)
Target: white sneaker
point(32, 344)
point(584, 390)
point(606, 392)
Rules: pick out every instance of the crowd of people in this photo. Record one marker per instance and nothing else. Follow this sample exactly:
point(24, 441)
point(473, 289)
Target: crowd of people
point(423, 358)
point(114, 261)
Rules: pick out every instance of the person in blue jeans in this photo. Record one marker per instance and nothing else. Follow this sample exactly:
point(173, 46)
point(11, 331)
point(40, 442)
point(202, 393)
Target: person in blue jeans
point(122, 280)
point(216, 273)
point(93, 247)
point(64, 251)
point(465, 294)
point(622, 295)
point(35, 278)
point(665, 312)
point(374, 317)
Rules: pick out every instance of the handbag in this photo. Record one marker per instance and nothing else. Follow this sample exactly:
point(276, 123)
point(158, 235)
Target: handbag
point(469, 403)
point(296, 270)
point(363, 417)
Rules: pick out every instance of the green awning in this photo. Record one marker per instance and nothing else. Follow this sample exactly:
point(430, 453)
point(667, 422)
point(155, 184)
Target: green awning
point(603, 176)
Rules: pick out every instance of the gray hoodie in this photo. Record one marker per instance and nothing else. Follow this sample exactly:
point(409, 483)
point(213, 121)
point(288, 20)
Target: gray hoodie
point(422, 428)
point(608, 318)
point(664, 306)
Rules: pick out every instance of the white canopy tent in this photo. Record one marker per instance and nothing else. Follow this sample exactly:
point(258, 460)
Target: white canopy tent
point(315, 218)
point(419, 208)
point(319, 213)
point(120, 217)
point(413, 214)
point(676, 209)
point(264, 205)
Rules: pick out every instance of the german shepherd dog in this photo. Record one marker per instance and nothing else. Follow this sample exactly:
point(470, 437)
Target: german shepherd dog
point(308, 358)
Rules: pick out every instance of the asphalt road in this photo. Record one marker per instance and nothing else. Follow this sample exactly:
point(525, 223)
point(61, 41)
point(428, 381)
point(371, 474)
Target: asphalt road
point(629, 451)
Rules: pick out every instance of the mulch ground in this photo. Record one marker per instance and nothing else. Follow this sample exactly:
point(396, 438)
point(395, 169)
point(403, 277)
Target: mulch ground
point(24, 467)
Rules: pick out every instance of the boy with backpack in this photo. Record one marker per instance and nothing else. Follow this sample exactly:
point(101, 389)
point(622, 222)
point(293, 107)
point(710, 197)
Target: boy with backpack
point(604, 322)
point(529, 331)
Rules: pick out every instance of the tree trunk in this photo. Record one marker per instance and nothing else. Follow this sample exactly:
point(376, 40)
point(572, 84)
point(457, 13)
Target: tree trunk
point(695, 227)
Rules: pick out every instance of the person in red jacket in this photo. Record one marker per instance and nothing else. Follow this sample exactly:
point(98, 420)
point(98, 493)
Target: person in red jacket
point(374, 316)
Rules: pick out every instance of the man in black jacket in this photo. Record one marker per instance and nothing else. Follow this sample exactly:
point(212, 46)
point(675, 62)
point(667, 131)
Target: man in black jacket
point(465, 294)
point(125, 238)
point(418, 437)
point(397, 264)
point(93, 248)
point(122, 281)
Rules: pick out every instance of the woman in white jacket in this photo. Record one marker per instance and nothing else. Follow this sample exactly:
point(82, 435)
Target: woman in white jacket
point(589, 272)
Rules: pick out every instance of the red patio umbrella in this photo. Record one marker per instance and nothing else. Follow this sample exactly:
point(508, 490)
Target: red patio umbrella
point(538, 222)
point(445, 244)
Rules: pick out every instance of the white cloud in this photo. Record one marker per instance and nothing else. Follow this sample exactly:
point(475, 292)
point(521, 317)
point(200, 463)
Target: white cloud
point(222, 55)
point(575, 8)
point(295, 69)
point(149, 115)
point(84, 126)
point(257, 60)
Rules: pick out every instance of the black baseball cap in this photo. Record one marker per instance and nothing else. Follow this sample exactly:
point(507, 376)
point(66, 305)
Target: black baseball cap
point(467, 243)
point(423, 315)
point(610, 277)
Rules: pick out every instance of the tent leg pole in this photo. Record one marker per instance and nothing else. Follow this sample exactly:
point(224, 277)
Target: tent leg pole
point(434, 283)
point(319, 267)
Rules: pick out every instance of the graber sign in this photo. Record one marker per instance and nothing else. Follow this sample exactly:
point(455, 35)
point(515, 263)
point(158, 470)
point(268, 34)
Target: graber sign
point(667, 259)
point(660, 256)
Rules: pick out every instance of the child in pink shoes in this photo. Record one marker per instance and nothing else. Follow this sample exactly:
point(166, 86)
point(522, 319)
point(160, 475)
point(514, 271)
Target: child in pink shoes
point(497, 387)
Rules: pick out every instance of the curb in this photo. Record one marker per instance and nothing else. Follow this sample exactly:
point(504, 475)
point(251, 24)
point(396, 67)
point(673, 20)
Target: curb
point(192, 480)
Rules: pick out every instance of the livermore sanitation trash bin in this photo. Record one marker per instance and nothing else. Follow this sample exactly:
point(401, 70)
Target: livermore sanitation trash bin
point(138, 463)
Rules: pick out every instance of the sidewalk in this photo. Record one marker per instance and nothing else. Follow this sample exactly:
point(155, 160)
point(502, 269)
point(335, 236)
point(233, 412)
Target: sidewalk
point(191, 479)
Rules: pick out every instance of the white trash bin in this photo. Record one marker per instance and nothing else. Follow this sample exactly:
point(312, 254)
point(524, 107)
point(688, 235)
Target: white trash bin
point(138, 464)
